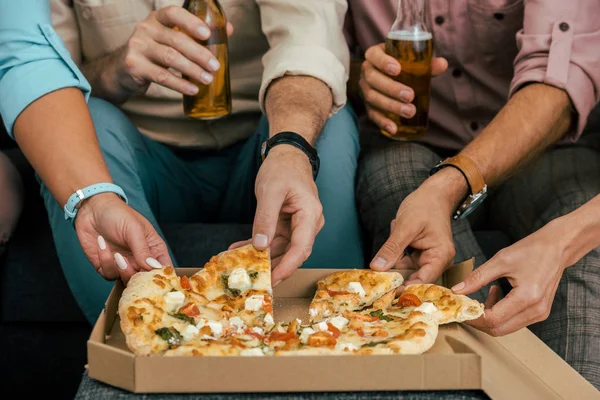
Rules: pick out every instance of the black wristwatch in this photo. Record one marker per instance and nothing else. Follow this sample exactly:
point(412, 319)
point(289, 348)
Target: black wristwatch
point(295, 140)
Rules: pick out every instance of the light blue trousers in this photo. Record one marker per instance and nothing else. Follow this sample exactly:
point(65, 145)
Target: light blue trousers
point(167, 185)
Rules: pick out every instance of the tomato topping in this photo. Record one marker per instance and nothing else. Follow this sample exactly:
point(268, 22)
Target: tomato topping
point(333, 293)
point(250, 332)
point(408, 300)
point(185, 283)
point(190, 309)
point(360, 332)
point(321, 339)
point(281, 336)
point(335, 332)
point(237, 343)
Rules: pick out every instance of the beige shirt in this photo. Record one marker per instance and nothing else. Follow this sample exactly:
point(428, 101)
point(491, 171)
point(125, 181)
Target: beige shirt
point(271, 38)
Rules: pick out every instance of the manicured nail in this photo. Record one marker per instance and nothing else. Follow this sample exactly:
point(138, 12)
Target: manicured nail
point(392, 69)
point(101, 243)
point(405, 95)
point(379, 262)
point(207, 78)
point(192, 89)
point(120, 260)
point(277, 283)
point(153, 262)
point(204, 32)
point(260, 240)
point(214, 64)
point(458, 287)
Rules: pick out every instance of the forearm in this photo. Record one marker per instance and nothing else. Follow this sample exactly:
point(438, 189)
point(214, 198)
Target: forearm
point(102, 75)
point(299, 104)
point(578, 232)
point(57, 136)
point(533, 119)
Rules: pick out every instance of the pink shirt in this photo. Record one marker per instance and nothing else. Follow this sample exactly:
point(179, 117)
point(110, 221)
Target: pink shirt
point(495, 47)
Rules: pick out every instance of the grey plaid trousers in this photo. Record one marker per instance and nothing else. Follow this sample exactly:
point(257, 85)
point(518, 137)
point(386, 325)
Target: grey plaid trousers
point(556, 183)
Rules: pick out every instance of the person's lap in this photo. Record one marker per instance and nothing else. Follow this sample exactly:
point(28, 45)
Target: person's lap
point(178, 185)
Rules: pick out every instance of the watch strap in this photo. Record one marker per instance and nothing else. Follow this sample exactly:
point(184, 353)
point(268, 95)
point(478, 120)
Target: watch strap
point(469, 169)
point(296, 140)
point(71, 207)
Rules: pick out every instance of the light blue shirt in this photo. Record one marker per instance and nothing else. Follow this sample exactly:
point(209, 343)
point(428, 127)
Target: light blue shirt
point(33, 59)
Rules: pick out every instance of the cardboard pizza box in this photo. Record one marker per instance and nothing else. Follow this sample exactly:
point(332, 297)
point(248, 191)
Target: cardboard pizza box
point(517, 366)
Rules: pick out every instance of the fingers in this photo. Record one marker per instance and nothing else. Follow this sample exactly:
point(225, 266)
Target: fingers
point(503, 311)
point(493, 297)
point(438, 66)
point(124, 268)
point(480, 277)
point(267, 214)
point(108, 268)
point(178, 16)
point(381, 102)
point(170, 57)
point(379, 119)
point(229, 29)
point(239, 244)
point(376, 55)
point(392, 249)
point(140, 66)
point(136, 238)
point(305, 227)
point(385, 85)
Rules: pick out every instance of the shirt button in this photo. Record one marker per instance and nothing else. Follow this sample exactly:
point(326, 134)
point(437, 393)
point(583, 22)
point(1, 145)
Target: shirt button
point(474, 126)
point(564, 26)
point(456, 72)
point(499, 16)
point(439, 20)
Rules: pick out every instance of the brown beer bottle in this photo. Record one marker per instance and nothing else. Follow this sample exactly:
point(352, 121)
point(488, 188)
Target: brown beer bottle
point(212, 100)
point(411, 43)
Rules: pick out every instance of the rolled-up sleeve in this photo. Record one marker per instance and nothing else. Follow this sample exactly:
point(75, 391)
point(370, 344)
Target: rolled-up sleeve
point(560, 46)
point(33, 59)
point(306, 38)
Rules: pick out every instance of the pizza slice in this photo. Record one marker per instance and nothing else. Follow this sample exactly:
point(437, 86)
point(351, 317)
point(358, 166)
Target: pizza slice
point(352, 290)
point(441, 302)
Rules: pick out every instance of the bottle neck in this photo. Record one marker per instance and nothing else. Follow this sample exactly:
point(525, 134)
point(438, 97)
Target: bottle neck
point(411, 17)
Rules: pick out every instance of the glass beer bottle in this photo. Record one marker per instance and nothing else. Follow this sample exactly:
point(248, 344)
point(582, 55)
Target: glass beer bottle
point(212, 100)
point(411, 43)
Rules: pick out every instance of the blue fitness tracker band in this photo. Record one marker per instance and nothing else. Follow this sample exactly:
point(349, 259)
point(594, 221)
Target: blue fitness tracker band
point(71, 207)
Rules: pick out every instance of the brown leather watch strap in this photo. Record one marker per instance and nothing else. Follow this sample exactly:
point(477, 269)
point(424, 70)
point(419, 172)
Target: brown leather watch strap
point(470, 171)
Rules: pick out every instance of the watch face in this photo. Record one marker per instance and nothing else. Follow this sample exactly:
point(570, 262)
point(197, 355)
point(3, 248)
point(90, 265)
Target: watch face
point(472, 202)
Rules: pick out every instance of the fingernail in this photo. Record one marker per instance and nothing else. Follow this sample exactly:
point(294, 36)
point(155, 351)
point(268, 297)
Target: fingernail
point(101, 243)
point(405, 95)
point(260, 240)
point(206, 77)
point(120, 260)
point(458, 287)
point(379, 262)
point(204, 32)
point(392, 69)
point(407, 111)
point(192, 89)
point(390, 128)
point(153, 262)
point(277, 283)
point(214, 64)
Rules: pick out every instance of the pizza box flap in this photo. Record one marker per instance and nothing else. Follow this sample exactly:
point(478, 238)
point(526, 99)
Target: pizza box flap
point(515, 366)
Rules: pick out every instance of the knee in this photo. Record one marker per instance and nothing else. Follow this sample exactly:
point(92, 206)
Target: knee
point(339, 138)
point(113, 127)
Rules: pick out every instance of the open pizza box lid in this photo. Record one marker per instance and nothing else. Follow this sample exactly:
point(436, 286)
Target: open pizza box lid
point(517, 366)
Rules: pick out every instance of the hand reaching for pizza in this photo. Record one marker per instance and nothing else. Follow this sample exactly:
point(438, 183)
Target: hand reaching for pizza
point(117, 240)
point(534, 268)
point(289, 214)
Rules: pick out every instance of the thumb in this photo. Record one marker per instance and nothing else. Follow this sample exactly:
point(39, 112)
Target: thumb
point(138, 243)
point(268, 207)
point(438, 66)
point(393, 249)
point(479, 278)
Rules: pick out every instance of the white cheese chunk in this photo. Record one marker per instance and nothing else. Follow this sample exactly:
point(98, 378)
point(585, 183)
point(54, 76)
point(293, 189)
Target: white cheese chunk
point(321, 326)
point(339, 322)
point(312, 312)
point(426, 308)
point(237, 324)
point(255, 351)
point(216, 328)
point(345, 346)
point(189, 332)
point(258, 330)
point(269, 319)
point(254, 303)
point(174, 301)
point(356, 287)
point(306, 332)
point(239, 279)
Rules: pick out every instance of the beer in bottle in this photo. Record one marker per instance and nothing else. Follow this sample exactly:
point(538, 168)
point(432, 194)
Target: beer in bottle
point(212, 100)
point(411, 43)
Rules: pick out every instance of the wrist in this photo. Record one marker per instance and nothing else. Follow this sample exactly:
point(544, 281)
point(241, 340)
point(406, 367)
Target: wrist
point(451, 186)
point(576, 233)
point(94, 201)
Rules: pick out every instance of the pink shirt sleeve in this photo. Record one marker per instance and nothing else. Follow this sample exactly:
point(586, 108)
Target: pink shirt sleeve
point(560, 46)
